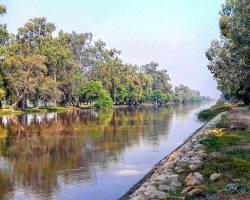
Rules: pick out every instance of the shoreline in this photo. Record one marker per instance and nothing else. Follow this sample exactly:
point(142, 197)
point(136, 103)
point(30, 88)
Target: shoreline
point(202, 131)
point(61, 109)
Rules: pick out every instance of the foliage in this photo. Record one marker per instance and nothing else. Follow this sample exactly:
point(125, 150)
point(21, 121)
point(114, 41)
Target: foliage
point(208, 114)
point(229, 57)
point(3, 27)
point(91, 91)
point(71, 68)
point(104, 100)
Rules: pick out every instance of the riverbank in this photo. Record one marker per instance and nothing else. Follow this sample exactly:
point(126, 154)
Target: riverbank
point(61, 109)
point(213, 163)
point(7, 111)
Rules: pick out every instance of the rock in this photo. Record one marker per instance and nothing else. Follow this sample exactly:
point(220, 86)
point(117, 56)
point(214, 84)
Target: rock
point(198, 163)
point(169, 164)
point(173, 178)
point(185, 158)
point(198, 147)
point(155, 194)
point(235, 187)
point(195, 192)
point(187, 189)
point(178, 169)
point(166, 188)
point(139, 197)
point(190, 153)
point(202, 154)
point(193, 166)
point(214, 177)
point(194, 179)
point(161, 178)
point(196, 157)
point(186, 147)
point(176, 184)
point(166, 178)
point(150, 187)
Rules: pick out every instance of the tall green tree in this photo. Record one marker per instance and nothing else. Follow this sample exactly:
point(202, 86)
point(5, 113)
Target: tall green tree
point(229, 57)
point(3, 27)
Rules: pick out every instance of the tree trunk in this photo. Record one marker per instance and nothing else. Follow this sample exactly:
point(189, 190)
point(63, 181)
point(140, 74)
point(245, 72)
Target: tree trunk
point(246, 100)
point(22, 104)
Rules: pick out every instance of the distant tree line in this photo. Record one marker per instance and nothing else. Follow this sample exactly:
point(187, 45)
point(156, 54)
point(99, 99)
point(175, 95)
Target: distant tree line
point(230, 55)
point(71, 69)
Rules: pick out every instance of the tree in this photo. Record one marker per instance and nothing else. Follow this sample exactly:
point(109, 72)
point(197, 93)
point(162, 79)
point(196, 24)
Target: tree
point(48, 91)
point(23, 75)
point(34, 31)
point(184, 94)
point(71, 68)
point(104, 100)
point(160, 77)
point(229, 57)
point(91, 91)
point(121, 94)
point(157, 96)
point(3, 27)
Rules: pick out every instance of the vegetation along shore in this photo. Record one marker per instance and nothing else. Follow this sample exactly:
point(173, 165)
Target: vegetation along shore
point(40, 70)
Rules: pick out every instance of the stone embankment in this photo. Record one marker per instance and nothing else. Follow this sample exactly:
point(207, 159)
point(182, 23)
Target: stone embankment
point(167, 177)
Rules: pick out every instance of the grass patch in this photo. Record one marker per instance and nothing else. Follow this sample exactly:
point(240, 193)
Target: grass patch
point(45, 110)
point(208, 114)
point(6, 111)
point(233, 162)
point(217, 143)
point(239, 154)
point(229, 139)
point(223, 123)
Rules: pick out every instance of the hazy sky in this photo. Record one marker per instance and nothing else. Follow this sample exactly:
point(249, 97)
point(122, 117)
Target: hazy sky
point(174, 33)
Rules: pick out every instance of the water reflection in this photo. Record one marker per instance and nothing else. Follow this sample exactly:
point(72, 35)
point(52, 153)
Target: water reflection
point(40, 152)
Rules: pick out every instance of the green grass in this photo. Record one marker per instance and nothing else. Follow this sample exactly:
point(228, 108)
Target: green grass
point(4, 112)
point(215, 143)
point(229, 139)
point(232, 163)
point(45, 110)
point(208, 114)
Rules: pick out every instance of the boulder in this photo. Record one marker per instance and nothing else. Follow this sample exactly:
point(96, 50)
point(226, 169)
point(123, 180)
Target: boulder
point(193, 166)
point(195, 192)
point(214, 177)
point(194, 179)
point(155, 194)
point(139, 197)
point(166, 188)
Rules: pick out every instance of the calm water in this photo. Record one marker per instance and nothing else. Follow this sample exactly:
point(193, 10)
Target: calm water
point(87, 154)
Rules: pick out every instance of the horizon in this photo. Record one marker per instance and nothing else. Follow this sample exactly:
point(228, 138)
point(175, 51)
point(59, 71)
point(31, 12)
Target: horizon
point(178, 45)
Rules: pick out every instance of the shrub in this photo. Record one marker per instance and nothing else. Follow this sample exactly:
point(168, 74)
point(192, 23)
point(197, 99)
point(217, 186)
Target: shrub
point(104, 100)
point(208, 114)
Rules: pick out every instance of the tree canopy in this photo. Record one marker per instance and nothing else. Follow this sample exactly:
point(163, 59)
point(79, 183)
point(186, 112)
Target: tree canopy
point(229, 57)
point(72, 68)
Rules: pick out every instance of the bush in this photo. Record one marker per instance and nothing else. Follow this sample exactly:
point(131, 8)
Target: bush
point(104, 100)
point(208, 114)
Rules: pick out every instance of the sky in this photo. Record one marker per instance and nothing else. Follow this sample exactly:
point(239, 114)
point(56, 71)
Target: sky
point(173, 33)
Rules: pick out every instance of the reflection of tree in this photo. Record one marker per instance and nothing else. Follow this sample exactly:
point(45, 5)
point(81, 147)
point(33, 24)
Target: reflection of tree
point(6, 185)
point(44, 148)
